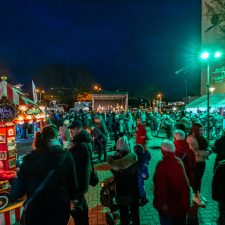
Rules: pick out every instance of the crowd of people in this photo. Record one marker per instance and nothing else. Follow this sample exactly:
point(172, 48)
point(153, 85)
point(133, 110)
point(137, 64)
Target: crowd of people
point(56, 181)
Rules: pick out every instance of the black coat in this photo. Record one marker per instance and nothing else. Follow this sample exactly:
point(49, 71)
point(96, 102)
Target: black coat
point(218, 183)
point(219, 149)
point(53, 202)
point(81, 149)
point(125, 170)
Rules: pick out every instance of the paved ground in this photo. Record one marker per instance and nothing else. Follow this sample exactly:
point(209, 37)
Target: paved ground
point(148, 213)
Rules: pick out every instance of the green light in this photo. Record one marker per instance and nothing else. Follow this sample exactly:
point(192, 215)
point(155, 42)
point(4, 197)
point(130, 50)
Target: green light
point(217, 55)
point(205, 55)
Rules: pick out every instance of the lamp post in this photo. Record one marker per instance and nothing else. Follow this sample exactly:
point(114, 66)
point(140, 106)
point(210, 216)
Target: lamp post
point(206, 56)
point(40, 93)
point(160, 98)
point(97, 88)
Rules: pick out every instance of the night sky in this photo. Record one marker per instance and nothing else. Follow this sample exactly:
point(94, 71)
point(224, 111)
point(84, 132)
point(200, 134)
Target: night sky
point(122, 43)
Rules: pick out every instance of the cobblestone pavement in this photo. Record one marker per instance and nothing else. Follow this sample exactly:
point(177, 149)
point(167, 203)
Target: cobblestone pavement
point(148, 214)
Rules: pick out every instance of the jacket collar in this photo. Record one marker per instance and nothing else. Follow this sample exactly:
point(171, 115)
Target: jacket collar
point(122, 163)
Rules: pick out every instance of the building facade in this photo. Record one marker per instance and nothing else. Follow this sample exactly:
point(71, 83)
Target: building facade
point(210, 42)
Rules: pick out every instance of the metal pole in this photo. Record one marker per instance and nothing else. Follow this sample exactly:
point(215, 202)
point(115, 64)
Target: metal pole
point(207, 85)
point(160, 103)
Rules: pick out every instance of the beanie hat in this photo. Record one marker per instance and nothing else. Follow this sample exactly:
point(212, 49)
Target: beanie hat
point(168, 146)
point(122, 144)
point(138, 149)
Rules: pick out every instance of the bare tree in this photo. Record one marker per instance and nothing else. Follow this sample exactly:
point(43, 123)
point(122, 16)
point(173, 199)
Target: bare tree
point(148, 92)
point(5, 71)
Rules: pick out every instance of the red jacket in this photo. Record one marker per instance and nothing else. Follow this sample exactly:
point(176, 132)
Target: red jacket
point(141, 135)
point(187, 156)
point(171, 190)
point(6, 175)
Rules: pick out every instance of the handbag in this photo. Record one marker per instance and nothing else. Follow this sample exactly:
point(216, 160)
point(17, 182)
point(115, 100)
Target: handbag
point(94, 176)
point(37, 191)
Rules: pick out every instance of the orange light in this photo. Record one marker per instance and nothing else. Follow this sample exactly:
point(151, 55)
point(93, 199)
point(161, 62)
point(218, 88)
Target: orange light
point(43, 91)
point(37, 90)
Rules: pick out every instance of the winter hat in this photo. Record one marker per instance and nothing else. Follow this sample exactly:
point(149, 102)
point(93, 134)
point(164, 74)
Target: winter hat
point(122, 144)
point(138, 149)
point(168, 146)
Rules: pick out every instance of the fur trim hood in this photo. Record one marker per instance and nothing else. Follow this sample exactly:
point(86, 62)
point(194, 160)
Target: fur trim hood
point(122, 163)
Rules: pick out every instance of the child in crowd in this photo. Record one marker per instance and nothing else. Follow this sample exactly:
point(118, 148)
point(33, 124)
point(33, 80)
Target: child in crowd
point(143, 159)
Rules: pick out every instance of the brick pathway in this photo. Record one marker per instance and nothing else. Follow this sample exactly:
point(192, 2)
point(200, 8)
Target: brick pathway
point(148, 214)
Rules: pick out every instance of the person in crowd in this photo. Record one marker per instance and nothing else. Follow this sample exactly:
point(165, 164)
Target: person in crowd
point(151, 117)
point(219, 149)
point(184, 152)
point(98, 123)
point(23, 133)
point(38, 126)
point(183, 123)
point(157, 123)
point(218, 123)
point(122, 128)
point(122, 116)
point(6, 175)
point(61, 120)
point(138, 114)
point(65, 134)
point(116, 129)
point(81, 150)
point(199, 146)
point(87, 121)
point(169, 125)
point(143, 160)
point(218, 190)
point(211, 125)
point(100, 141)
point(124, 166)
point(129, 123)
point(171, 188)
point(51, 205)
point(143, 117)
point(109, 122)
point(54, 119)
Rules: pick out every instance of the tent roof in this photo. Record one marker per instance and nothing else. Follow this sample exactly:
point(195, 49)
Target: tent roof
point(13, 94)
point(215, 100)
point(80, 106)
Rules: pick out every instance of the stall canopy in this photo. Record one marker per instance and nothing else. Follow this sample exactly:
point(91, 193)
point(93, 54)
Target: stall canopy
point(80, 106)
point(215, 100)
point(13, 95)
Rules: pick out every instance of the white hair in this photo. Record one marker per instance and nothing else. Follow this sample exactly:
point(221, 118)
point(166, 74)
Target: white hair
point(179, 135)
point(168, 145)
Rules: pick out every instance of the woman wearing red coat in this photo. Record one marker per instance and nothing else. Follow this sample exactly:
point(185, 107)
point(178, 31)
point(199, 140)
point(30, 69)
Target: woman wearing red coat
point(171, 188)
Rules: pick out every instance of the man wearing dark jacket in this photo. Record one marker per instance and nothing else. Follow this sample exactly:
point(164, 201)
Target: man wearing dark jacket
point(81, 149)
point(218, 189)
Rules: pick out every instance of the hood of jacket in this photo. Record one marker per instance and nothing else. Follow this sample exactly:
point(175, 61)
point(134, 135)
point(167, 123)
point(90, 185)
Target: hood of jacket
point(181, 146)
point(122, 163)
point(83, 136)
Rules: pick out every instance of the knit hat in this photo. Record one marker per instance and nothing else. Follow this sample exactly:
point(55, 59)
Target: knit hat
point(75, 124)
point(122, 144)
point(138, 149)
point(168, 146)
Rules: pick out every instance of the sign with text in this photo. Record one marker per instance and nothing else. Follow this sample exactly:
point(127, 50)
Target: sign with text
point(7, 113)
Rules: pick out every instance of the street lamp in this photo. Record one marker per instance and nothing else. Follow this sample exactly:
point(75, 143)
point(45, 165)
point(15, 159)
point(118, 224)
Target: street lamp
point(40, 93)
point(212, 89)
point(206, 56)
point(160, 98)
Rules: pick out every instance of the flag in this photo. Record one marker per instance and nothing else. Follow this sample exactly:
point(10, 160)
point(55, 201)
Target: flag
point(34, 92)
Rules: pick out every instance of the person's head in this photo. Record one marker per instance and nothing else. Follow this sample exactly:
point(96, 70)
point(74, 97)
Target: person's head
point(97, 119)
point(122, 144)
point(179, 135)
point(138, 149)
point(47, 134)
point(75, 128)
point(196, 130)
point(89, 129)
point(1, 165)
point(138, 121)
point(167, 146)
point(66, 123)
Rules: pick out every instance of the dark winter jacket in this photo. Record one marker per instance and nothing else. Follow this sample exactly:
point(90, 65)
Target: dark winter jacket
point(171, 190)
point(98, 136)
point(218, 121)
point(143, 160)
point(53, 201)
point(81, 149)
point(187, 156)
point(101, 127)
point(218, 183)
point(125, 170)
point(219, 149)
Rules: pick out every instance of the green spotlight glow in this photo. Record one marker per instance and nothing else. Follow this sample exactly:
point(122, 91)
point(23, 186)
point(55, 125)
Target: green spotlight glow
point(205, 55)
point(217, 54)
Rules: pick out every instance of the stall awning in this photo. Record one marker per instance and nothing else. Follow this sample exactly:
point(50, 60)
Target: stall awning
point(215, 100)
point(13, 94)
